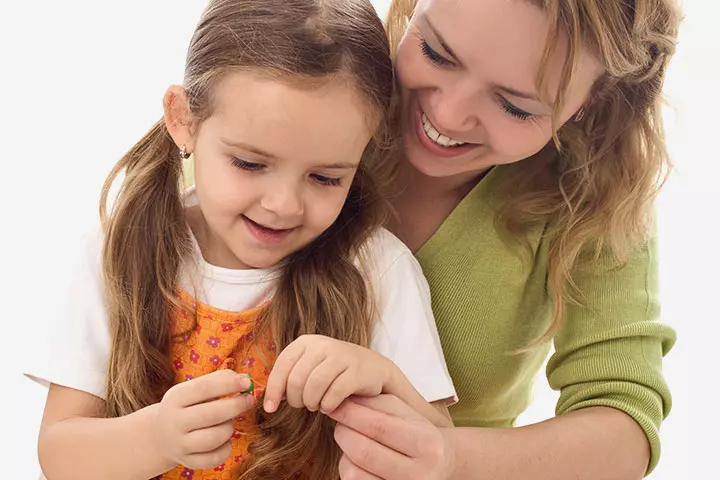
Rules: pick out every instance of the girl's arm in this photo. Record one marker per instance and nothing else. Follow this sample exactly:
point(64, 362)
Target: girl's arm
point(192, 426)
point(399, 386)
point(405, 358)
point(318, 373)
point(76, 442)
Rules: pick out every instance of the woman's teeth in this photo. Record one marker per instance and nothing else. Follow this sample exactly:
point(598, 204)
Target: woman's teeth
point(436, 137)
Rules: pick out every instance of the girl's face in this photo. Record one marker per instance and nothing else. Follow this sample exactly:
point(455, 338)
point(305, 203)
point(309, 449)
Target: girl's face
point(273, 166)
point(467, 72)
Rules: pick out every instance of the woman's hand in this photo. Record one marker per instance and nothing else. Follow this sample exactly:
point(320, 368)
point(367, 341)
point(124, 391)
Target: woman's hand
point(318, 373)
point(382, 437)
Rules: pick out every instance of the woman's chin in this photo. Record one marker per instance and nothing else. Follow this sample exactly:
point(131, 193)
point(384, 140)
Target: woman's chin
point(432, 165)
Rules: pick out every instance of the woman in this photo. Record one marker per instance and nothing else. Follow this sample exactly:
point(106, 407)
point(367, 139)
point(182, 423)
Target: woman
point(534, 146)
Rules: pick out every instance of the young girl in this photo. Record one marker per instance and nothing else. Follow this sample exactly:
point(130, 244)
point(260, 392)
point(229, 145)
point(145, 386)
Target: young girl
point(182, 305)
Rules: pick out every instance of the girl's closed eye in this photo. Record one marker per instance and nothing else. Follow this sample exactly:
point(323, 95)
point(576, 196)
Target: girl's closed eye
point(256, 167)
point(326, 181)
point(245, 165)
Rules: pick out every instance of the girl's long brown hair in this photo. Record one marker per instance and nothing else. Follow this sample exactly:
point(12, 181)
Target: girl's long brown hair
point(595, 182)
point(321, 290)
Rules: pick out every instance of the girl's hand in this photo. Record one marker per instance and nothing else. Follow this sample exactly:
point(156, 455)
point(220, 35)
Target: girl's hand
point(318, 373)
point(382, 437)
point(193, 423)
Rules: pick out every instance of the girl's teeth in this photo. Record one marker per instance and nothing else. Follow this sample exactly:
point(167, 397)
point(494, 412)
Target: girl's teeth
point(436, 137)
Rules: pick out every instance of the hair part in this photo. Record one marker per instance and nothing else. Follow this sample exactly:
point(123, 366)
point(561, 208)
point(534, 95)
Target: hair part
point(321, 290)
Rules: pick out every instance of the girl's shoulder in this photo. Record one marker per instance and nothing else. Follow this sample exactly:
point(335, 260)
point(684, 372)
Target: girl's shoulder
point(402, 302)
point(383, 253)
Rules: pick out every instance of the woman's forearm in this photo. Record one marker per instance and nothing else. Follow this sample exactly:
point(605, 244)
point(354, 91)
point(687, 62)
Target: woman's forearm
point(591, 444)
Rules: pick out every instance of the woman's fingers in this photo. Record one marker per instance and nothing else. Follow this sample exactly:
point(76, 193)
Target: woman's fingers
point(391, 405)
point(370, 456)
point(394, 432)
point(349, 470)
point(385, 437)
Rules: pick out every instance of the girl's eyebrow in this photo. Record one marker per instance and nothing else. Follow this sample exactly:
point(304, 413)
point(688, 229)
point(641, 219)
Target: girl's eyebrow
point(249, 148)
point(339, 166)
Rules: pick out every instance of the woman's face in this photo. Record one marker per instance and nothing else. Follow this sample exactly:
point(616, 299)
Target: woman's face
point(468, 73)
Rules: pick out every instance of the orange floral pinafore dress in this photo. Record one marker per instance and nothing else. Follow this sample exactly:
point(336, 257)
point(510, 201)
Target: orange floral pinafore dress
point(220, 339)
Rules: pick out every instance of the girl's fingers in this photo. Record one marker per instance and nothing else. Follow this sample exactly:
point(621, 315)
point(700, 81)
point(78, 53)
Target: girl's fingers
point(205, 460)
point(278, 378)
point(208, 387)
point(207, 439)
point(343, 387)
point(298, 377)
point(320, 381)
point(215, 412)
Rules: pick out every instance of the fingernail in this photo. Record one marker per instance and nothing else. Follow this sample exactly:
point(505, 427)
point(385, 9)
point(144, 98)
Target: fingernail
point(250, 400)
point(245, 382)
point(269, 406)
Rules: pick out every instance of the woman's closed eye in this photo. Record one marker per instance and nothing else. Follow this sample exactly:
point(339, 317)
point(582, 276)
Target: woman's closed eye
point(440, 60)
point(432, 55)
point(514, 111)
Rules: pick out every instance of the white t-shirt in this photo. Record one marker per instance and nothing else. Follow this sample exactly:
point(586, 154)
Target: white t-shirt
point(78, 351)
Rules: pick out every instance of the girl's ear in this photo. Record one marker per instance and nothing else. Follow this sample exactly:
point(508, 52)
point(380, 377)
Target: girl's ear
point(178, 118)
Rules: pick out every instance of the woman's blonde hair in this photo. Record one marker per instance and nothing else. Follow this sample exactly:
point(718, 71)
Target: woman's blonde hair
point(595, 182)
point(320, 291)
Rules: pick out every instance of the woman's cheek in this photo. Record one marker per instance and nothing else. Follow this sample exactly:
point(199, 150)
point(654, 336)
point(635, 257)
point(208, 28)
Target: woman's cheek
point(411, 67)
point(516, 140)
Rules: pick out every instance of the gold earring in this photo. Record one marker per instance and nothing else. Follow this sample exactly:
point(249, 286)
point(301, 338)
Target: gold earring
point(184, 153)
point(580, 114)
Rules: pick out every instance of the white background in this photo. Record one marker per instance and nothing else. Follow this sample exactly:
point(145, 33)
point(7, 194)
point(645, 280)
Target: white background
point(81, 81)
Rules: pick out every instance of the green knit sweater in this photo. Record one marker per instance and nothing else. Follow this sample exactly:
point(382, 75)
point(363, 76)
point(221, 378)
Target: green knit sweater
point(489, 302)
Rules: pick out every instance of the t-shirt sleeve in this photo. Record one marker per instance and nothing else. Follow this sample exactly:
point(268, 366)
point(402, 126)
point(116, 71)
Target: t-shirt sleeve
point(406, 332)
point(609, 351)
point(77, 347)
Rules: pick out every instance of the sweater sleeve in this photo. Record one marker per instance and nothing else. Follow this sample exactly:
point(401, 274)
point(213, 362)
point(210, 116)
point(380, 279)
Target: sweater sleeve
point(609, 350)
